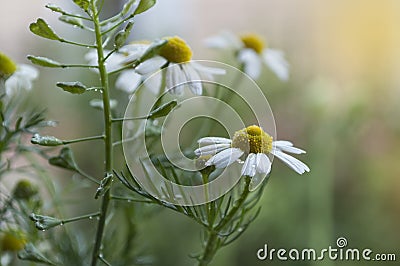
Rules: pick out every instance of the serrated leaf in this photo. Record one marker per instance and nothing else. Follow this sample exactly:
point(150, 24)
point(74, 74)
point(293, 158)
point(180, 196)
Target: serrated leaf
point(42, 29)
point(43, 61)
point(84, 4)
point(72, 21)
point(74, 87)
point(163, 110)
point(121, 36)
point(31, 253)
point(144, 5)
point(64, 160)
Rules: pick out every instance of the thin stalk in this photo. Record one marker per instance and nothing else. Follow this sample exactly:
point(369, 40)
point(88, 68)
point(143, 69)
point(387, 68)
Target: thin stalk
point(74, 219)
point(78, 44)
point(82, 139)
point(213, 231)
point(107, 132)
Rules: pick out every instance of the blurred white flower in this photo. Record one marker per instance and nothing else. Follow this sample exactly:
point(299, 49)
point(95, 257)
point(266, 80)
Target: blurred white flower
point(252, 52)
point(253, 145)
point(21, 79)
point(175, 53)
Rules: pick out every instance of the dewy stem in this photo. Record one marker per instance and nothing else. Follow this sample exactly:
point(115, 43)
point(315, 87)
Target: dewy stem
point(107, 132)
point(212, 241)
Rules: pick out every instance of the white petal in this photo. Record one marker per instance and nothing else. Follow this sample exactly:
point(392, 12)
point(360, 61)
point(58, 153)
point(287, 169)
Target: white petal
point(211, 149)
point(251, 61)
point(276, 61)
point(213, 140)
point(21, 79)
point(193, 79)
point(128, 81)
point(150, 66)
point(225, 157)
point(298, 166)
point(28, 71)
point(225, 39)
point(263, 163)
point(208, 70)
point(153, 83)
point(174, 78)
point(287, 146)
point(249, 166)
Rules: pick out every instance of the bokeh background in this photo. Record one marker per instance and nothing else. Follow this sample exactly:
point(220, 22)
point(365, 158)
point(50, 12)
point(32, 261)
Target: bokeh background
point(341, 104)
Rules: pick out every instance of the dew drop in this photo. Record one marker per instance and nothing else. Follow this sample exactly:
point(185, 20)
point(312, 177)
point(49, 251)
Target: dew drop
point(129, 201)
point(97, 218)
point(90, 217)
point(43, 230)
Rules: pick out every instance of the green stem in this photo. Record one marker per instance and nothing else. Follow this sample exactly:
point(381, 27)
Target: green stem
point(78, 44)
point(213, 232)
point(74, 219)
point(77, 65)
point(82, 139)
point(107, 130)
point(129, 118)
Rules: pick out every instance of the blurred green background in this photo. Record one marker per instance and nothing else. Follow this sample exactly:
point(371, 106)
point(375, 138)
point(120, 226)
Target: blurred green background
point(341, 104)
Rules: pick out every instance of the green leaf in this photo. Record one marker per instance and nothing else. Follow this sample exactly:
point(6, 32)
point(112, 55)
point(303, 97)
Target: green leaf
point(31, 253)
point(72, 87)
point(44, 222)
point(84, 4)
point(104, 185)
point(144, 5)
point(121, 36)
point(43, 61)
point(42, 29)
point(127, 6)
point(54, 8)
point(46, 140)
point(72, 21)
point(163, 110)
point(64, 160)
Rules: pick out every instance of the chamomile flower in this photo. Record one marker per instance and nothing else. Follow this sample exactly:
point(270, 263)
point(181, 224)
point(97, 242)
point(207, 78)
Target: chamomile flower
point(176, 54)
point(251, 146)
point(17, 77)
point(252, 51)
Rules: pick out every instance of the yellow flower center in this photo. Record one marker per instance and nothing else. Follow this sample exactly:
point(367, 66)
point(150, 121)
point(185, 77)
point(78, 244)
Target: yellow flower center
point(7, 66)
point(176, 50)
point(13, 241)
point(253, 41)
point(252, 139)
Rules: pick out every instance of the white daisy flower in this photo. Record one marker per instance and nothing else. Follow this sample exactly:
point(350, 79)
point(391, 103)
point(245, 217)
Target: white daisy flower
point(176, 54)
point(252, 52)
point(17, 77)
point(251, 145)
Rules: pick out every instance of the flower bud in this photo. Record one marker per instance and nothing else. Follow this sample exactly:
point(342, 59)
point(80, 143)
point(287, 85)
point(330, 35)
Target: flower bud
point(24, 190)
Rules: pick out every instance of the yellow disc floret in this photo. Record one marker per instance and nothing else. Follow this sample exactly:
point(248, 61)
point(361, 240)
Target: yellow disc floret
point(253, 41)
point(176, 50)
point(252, 139)
point(7, 66)
point(13, 241)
